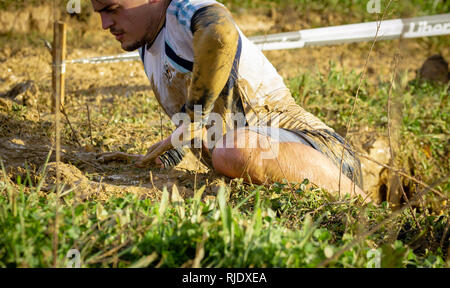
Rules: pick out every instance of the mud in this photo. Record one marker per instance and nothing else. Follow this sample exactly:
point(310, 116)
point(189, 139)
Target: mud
point(27, 141)
point(216, 58)
point(85, 189)
point(91, 180)
point(23, 148)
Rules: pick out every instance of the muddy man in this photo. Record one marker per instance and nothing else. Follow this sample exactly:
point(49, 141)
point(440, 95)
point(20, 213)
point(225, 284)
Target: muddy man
point(202, 66)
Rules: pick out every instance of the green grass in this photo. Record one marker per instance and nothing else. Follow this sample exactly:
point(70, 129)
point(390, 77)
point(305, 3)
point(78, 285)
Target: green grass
point(251, 227)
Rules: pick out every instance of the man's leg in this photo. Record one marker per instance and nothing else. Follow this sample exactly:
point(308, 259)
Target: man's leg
point(293, 161)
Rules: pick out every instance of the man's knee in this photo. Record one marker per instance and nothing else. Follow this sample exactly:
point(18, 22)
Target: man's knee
point(227, 161)
point(236, 155)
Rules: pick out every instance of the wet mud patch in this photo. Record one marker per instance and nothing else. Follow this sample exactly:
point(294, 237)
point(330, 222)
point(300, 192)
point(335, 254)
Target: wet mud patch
point(90, 180)
point(26, 142)
point(85, 189)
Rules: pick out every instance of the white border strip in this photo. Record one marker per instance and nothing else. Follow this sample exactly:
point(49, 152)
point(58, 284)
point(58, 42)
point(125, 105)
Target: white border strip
point(390, 29)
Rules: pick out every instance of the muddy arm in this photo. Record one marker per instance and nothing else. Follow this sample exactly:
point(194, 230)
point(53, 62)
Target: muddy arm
point(117, 156)
point(159, 147)
point(215, 45)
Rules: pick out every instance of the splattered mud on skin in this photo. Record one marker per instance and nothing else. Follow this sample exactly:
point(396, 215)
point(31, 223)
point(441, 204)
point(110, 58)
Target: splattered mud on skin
point(280, 107)
point(215, 47)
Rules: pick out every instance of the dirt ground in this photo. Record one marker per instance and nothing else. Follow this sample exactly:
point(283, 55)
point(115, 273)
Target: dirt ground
point(27, 138)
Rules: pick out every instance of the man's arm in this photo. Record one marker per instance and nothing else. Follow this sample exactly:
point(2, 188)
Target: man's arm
point(215, 44)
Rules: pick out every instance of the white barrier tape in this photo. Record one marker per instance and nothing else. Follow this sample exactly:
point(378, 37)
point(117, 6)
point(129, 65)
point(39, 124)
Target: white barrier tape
point(341, 34)
point(133, 56)
point(427, 26)
point(390, 29)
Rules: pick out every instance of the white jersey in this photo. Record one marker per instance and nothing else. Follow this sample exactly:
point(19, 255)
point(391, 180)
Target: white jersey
point(168, 62)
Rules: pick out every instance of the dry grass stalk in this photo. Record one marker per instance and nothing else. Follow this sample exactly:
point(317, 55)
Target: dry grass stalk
point(74, 132)
point(395, 183)
point(90, 124)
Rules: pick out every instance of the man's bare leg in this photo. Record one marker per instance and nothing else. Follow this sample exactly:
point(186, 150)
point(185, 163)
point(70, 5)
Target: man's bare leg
point(293, 162)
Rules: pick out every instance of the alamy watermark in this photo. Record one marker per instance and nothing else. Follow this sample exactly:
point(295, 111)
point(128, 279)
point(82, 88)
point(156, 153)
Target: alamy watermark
point(73, 6)
point(374, 6)
point(73, 257)
point(374, 257)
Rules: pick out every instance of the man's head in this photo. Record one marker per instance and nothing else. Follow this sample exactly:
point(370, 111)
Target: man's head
point(133, 22)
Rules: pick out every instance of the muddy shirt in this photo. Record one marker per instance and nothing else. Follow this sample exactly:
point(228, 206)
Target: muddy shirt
point(169, 64)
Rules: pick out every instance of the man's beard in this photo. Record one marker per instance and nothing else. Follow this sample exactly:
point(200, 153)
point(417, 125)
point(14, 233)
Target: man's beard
point(134, 46)
point(145, 41)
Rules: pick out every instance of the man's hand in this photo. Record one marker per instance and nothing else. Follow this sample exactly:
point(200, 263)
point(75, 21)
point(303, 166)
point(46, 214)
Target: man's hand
point(182, 136)
point(141, 162)
point(152, 154)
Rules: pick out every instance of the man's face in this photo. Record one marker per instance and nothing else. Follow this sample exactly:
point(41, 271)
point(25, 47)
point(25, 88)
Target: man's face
point(132, 22)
